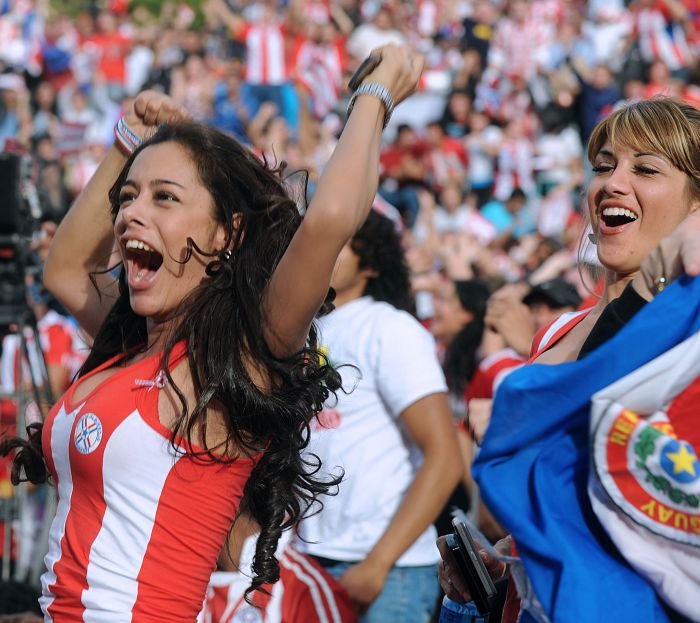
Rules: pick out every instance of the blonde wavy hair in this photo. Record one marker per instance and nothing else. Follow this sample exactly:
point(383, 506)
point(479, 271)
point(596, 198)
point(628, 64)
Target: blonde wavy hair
point(662, 125)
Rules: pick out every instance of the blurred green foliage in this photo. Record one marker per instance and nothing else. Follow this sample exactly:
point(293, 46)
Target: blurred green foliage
point(154, 7)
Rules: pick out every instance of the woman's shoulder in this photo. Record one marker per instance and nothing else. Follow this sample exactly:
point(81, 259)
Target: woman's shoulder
point(550, 334)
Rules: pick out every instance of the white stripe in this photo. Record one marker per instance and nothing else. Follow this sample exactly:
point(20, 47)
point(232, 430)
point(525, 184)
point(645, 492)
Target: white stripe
point(313, 588)
point(556, 325)
point(322, 582)
point(132, 490)
point(254, 63)
point(274, 606)
point(666, 50)
point(10, 348)
point(60, 442)
point(276, 73)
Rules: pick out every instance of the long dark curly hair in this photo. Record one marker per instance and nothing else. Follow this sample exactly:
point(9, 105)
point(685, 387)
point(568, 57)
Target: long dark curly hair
point(223, 322)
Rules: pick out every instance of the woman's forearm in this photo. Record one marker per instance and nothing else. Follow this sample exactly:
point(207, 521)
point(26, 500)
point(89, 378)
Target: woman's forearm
point(83, 243)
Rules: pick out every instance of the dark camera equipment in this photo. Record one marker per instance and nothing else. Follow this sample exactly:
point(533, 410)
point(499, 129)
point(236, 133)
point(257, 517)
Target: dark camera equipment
point(20, 220)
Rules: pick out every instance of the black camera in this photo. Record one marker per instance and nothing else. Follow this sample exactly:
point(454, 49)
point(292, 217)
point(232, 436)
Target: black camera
point(20, 219)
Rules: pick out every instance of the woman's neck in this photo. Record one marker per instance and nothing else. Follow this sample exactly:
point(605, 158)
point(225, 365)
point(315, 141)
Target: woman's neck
point(157, 335)
point(615, 283)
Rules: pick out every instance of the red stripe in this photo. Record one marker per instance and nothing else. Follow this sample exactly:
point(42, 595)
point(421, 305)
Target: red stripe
point(184, 546)
point(263, 56)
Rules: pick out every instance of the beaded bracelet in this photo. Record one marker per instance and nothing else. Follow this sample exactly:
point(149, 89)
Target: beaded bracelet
point(126, 139)
point(377, 90)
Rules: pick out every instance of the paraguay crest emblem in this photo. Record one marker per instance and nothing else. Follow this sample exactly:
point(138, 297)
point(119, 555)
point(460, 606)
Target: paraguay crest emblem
point(88, 433)
point(650, 474)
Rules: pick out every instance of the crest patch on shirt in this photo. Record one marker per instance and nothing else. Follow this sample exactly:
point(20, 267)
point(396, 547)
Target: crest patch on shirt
point(88, 433)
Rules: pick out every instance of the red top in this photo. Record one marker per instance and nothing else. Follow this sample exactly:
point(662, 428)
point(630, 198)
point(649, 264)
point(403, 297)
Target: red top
point(139, 523)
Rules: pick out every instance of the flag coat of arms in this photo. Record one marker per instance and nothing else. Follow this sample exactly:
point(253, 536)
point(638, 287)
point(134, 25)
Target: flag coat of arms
point(593, 467)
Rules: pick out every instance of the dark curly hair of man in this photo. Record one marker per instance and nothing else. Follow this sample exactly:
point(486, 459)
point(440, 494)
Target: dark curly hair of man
point(378, 245)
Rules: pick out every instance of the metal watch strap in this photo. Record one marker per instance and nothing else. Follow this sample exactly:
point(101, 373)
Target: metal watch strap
point(377, 90)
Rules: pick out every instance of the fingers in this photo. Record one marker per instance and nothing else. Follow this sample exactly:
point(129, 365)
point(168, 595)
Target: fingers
point(399, 71)
point(151, 109)
point(495, 567)
point(448, 573)
point(690, 244)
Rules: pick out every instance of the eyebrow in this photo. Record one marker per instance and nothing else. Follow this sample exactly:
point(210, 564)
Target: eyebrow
point(155, 183)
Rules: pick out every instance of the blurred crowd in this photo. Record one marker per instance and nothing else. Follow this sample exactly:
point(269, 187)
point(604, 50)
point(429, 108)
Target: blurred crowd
point(483, 167)
point(482, 170)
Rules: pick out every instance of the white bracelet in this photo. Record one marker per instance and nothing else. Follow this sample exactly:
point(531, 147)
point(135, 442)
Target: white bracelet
point(377, 90)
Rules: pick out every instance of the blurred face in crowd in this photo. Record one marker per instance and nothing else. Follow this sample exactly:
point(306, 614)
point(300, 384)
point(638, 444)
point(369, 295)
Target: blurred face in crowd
point(602, 77)
point(406, 138)
point(460, 106)
point(195, 67)
point(478, 121)
point(107, 22)
point(45, 95)
point(162, 203)
point(451, 197)
point(515, 204)
point(434, 135)
point(383, 19)
point(449, 317)
point(635, 198)
point(519, 10)
point(658, 72)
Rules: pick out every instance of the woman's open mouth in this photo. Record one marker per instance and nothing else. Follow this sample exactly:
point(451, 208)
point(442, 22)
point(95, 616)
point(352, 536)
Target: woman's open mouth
point(614, 219)
point(142, 262)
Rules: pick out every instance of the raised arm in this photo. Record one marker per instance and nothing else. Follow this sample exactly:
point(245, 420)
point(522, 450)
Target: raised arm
point(83, 243)
point(219, 10)
point(339, 206)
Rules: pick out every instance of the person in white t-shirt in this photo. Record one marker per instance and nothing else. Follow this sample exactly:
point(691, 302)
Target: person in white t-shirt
point(391, 433)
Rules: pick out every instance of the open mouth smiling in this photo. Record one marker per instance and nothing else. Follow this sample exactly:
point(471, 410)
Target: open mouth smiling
point(617, 217)
point(142, 261)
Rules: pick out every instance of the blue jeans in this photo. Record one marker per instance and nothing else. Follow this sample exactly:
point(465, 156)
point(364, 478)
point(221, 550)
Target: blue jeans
point(409, 595)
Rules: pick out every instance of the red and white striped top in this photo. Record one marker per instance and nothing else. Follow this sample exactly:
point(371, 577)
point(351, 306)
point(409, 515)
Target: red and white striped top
point(266, 54)
point(548, 336)
point(319, 68)
point(139, 523)
point(661, 38)
point(305, 592)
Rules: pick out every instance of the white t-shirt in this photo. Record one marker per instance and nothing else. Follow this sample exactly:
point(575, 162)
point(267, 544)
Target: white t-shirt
point(395, 366)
